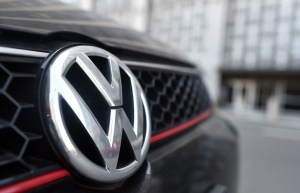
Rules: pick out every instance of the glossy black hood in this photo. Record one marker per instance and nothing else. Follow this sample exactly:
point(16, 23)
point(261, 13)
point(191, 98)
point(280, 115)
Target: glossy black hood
point(46, 18)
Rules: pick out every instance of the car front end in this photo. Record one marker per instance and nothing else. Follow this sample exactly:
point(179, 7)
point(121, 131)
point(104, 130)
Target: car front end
point(187, 147)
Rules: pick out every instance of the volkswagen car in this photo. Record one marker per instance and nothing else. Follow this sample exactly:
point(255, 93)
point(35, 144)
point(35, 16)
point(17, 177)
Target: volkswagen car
point(89, 106)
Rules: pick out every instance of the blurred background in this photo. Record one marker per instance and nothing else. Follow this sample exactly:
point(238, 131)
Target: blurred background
point(249, 54)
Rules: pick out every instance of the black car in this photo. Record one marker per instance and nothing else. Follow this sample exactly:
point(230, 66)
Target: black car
point(88, 106)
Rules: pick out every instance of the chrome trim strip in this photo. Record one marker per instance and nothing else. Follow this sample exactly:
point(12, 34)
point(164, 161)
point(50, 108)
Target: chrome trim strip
point(164, 67)
point(21, 52)
point(65, 22)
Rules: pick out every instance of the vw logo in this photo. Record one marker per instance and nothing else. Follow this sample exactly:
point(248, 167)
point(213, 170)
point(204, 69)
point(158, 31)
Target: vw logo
point(107, 138)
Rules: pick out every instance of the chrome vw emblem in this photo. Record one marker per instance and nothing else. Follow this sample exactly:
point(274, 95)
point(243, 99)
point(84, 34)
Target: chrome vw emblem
point(107, 141)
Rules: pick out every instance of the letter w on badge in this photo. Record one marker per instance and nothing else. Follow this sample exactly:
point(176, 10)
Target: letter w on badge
point(112, 93)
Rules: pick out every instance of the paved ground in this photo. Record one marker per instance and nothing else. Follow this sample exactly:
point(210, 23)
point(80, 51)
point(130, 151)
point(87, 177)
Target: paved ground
point(270, 157)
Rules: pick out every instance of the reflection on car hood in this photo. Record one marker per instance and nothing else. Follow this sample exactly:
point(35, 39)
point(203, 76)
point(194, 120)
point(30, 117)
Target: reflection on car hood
point(51, 16)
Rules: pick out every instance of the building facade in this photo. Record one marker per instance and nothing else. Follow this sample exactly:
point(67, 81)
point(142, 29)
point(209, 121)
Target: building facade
point(247, 50)
point(195, 28)
point(261, 68)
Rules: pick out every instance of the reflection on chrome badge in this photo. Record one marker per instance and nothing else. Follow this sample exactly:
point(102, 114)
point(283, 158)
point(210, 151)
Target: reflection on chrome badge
point(57, 87)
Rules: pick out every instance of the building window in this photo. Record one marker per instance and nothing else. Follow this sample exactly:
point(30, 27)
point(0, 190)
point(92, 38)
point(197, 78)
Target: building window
point(241, 4)
point(268, 20)
point(283, 34)
point(252, 36)
point(227, 95)
point(265, 91)
point(281, 58)
point(295, 49)
point(239, 25)
point(254, 10)
point(269, 3)
point(250, 59)
point(266, 51)
point(285, 8)
point(237, 51)
point(292, 98)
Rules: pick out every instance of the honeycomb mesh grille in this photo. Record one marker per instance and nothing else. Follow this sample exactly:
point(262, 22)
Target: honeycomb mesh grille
point(173, 97)
point(23, 150)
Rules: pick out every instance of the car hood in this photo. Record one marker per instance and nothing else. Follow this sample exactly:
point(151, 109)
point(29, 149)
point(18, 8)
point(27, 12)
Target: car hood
point(51, 16)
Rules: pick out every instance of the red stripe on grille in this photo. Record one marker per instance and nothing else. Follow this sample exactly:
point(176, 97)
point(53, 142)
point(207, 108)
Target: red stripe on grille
point(59, 174)
point(182, 127)
point(35, 182)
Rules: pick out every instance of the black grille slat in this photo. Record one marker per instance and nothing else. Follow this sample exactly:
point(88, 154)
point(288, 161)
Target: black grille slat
point(6, 158)
point(173, 97)
point(3, 123)
point(20, 127)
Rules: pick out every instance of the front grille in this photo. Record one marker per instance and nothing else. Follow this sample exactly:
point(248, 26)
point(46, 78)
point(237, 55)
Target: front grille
point(173, 97)
point(24, 151)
